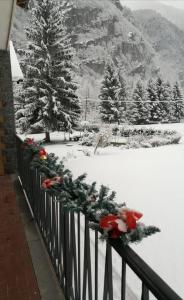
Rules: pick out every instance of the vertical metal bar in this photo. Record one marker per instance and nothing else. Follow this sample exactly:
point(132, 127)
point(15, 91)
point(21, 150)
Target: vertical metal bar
point(73, 256)
point(62, 247)
point(66, 256)
point(145, 292)
point(123, 280)
point(79, 256)
point(108, 283)
point(87, 264)
point(96, 265)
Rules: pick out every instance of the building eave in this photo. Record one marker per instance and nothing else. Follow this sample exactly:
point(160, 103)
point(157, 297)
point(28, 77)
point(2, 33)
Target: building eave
point(22, 3)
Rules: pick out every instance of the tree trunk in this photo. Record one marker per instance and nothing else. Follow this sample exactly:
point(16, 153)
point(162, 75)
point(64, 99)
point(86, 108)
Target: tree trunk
point(47, 137)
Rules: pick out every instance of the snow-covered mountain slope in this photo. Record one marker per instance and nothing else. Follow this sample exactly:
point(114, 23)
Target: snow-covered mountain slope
point(100, 31)
point(167, 40)
point(104, 30)
point(173, 14)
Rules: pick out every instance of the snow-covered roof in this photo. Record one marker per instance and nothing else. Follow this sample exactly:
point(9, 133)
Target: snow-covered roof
point(15, 66)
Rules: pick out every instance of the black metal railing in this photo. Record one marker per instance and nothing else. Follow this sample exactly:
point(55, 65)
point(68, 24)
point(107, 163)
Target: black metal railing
point(83, 265)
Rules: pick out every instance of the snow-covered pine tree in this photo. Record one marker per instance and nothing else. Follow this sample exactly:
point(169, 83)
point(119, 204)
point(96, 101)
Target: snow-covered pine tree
point(178, 103)
point(48, 100)
point(139, 108)
point(123, 96)
point(167, 105)
point(163, 97)
point(112, 102)
point(154, 105)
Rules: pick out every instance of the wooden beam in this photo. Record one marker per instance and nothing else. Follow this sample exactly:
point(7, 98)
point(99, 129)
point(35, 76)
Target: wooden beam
point(23, 3)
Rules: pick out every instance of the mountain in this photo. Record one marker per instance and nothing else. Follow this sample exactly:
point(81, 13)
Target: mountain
point(173, 14)
point(103, 31)
point(167, 40)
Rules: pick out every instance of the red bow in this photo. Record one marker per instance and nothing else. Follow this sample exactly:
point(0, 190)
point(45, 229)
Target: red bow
point(121, 223)
point(29, 141)
point(114, 224)
point(130, 217)
point(47, 183)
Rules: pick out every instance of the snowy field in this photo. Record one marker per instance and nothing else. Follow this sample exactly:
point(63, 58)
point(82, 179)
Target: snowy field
point(149, 180)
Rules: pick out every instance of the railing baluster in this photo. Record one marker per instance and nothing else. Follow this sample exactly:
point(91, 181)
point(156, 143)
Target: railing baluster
point(96, 265)
point(87, 264)
point(79, 254)
point(123, 280)
point(145, 292)
point(66, 258)
point(73, 254)
point(108, 283)
point(61, 215)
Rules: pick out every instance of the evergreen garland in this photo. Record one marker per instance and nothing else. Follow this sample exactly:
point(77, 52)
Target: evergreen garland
point(76, 195)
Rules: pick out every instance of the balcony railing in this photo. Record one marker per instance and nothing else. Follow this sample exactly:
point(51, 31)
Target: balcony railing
point(83, 272)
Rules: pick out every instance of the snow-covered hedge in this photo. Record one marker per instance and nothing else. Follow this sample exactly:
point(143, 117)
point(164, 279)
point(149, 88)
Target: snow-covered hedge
point(128, 132)
point(140, 141)
point(133, 138)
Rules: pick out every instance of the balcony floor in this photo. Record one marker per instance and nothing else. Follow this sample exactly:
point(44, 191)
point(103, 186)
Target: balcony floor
point(17, 277)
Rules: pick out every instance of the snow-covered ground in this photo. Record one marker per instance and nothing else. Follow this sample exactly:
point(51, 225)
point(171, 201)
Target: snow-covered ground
point(149, 180)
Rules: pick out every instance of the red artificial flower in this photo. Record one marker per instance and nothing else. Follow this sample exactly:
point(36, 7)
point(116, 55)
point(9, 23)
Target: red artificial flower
point(47, 183)
point(42, 152)
point(108, 222)
point(29, 141)
point(113, 224)
point(130, 217)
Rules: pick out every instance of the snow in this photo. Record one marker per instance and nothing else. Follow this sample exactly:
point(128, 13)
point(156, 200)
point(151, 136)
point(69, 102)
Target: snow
point(148, 180)
point(16, 70)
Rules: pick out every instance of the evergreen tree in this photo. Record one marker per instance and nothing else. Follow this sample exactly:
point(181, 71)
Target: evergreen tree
point(163, 98)
point(154, 105)
point(48, 100)
point(112, 96)
point(139, 109)
point(168, 105)
point(178, 103)
point(123, 96)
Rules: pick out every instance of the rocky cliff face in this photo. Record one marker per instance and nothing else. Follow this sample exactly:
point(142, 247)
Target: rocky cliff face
point(102, 31)
point(167, 40)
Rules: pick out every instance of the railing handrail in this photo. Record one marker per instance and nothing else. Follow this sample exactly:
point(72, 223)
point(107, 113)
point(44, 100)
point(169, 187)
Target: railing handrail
point(151, 279)
point(153, 282)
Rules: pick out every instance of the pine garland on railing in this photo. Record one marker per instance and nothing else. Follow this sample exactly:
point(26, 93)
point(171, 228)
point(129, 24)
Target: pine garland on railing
point(114, 219)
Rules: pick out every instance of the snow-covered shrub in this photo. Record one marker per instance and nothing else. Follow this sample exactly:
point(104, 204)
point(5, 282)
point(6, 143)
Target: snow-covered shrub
point(88, 139)
point(104, 137)
point(87, 126)
point(175, 139)
point(140, 141)
point(86, 152)
point(132, 144)
point(127, 132)
point(84, 125)
point(158, 141)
